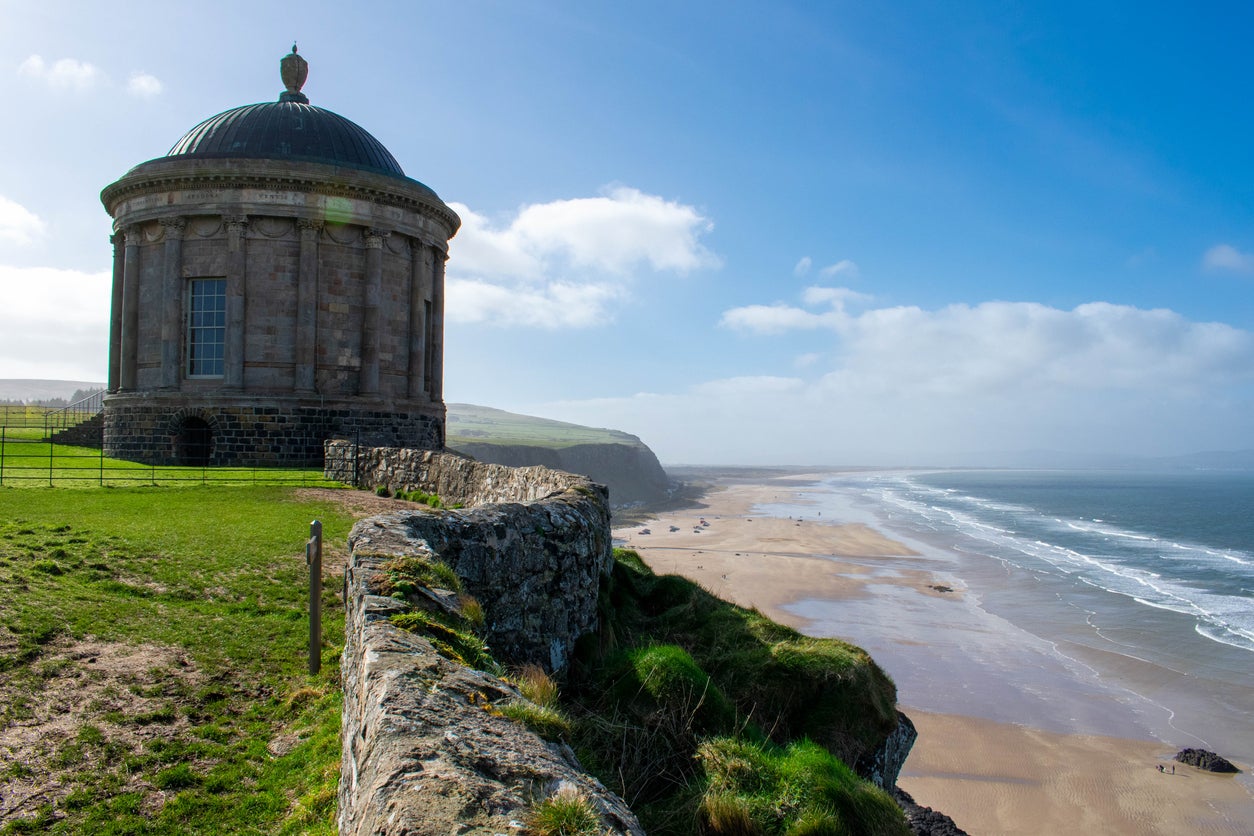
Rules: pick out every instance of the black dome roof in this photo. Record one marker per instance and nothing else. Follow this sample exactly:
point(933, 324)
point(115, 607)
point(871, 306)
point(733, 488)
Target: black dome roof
point(287, 130)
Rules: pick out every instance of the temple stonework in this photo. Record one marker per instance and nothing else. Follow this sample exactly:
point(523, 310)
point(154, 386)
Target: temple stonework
point(277, 281)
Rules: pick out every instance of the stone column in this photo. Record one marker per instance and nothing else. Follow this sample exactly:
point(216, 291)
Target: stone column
point(437, 327)
point(419, 290)
point(172, 302)
point(305, 378)
point(236, 300)
point(368, 382)
point(115, 311)
point(130, 309)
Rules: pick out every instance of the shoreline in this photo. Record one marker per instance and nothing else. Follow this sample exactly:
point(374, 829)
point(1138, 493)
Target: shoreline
point(1059, 752)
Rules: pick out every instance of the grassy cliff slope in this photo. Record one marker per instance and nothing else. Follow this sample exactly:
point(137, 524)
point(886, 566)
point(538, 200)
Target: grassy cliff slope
point(619, 460)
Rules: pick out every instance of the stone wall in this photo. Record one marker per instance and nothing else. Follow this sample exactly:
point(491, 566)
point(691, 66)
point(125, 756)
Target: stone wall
point(245, 430)
point(532, 545)
point(454, 478)
point(423, 751)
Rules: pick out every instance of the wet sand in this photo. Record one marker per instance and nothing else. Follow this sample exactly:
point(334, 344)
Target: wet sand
point(1014, 769)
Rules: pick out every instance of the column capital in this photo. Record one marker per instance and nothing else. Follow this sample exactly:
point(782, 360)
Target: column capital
point(173, 227)
point(235, 223)
point(374, 237)
point(134, 234)
point(314, 224)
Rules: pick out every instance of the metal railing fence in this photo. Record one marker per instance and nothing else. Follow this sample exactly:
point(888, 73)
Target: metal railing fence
point(28, 460)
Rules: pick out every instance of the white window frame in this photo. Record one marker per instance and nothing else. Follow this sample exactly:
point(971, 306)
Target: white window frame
point(206, 328)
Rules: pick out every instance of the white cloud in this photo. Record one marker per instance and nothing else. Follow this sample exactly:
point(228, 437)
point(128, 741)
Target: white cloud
point(993, 346)
point(780, 317)
point(808, 359)
point(18, 225)
point(1228, 257)
point(904, 385)
point(803, 266)
point(844, 266)
point(144, 86)
point(54, 323)
point(565, 263)
point(62, 74)
point(555, 305)
point(776, 319)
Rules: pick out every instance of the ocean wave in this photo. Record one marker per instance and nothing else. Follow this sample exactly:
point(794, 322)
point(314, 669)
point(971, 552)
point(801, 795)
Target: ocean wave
point(1184, 577)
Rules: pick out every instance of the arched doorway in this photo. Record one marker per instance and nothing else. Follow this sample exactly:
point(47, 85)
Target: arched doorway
point(193, 442)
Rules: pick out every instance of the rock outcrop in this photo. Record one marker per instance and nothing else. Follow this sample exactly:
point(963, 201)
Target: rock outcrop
point(882, 765)
point(924, 821)
point(1203, 759)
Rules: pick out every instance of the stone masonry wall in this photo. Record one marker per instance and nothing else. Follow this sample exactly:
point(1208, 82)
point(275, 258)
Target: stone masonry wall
point(421, 755)
point(456, 479)
point(253, 431)
point(532, 546)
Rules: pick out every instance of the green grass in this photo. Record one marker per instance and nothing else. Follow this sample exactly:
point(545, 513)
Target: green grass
point(216, 575)
point(757, 787)
point(481, 424)
point(26, 461)
point(677, 676)
point(564, 814)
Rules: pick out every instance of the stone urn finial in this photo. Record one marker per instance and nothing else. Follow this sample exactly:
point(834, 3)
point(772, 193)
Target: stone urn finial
point(293, 69)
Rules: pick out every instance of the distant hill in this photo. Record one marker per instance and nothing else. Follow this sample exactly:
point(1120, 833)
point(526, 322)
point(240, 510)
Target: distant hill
point(619, 460)
point(43, 390)
point(469, 423)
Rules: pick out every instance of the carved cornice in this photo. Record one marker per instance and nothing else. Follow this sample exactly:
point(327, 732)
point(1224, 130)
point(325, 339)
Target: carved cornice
point(401, 193)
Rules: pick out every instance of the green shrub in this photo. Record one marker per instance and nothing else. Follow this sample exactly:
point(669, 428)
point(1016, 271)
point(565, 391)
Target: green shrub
point(564, 814)
point(472, 611)
point(547, 721)
point(536, 685)
point(405, 574)
point(798, 789)
point(674, 668)
point(450, 639)
point(676, 684)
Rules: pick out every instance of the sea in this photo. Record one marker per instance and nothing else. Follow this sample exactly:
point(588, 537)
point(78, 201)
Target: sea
point(1110, 602)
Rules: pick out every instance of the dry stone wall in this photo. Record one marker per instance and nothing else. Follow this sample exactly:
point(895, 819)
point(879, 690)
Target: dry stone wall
point(423, 751)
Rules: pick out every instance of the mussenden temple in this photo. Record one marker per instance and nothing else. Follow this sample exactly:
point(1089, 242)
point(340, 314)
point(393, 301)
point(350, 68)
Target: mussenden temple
point(277, 281)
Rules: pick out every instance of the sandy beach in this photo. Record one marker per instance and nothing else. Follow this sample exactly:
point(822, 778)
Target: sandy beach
point(1022, 768)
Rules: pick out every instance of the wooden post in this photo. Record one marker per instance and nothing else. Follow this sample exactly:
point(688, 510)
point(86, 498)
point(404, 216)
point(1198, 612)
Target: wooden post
point(313, 557)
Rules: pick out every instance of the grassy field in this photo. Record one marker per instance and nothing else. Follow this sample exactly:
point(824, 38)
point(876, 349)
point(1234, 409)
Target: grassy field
point(480, 423)
point(153, 661)
point(28, 461)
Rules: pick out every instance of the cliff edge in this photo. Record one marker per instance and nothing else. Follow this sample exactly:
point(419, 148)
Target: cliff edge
point(618, 460)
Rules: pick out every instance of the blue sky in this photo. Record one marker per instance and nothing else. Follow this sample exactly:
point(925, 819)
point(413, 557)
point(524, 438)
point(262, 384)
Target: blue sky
point(792, 233)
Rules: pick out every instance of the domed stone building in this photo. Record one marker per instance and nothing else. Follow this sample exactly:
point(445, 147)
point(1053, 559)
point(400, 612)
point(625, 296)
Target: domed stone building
point(277, 281)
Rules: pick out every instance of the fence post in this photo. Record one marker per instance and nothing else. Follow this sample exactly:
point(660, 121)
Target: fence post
point(2, 431)
point(313, 557)
point(51, 448)
point(102, 458)
point(357, 461)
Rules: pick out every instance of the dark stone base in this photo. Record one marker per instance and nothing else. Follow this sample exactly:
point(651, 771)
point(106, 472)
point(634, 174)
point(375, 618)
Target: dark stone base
point(175, 429)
